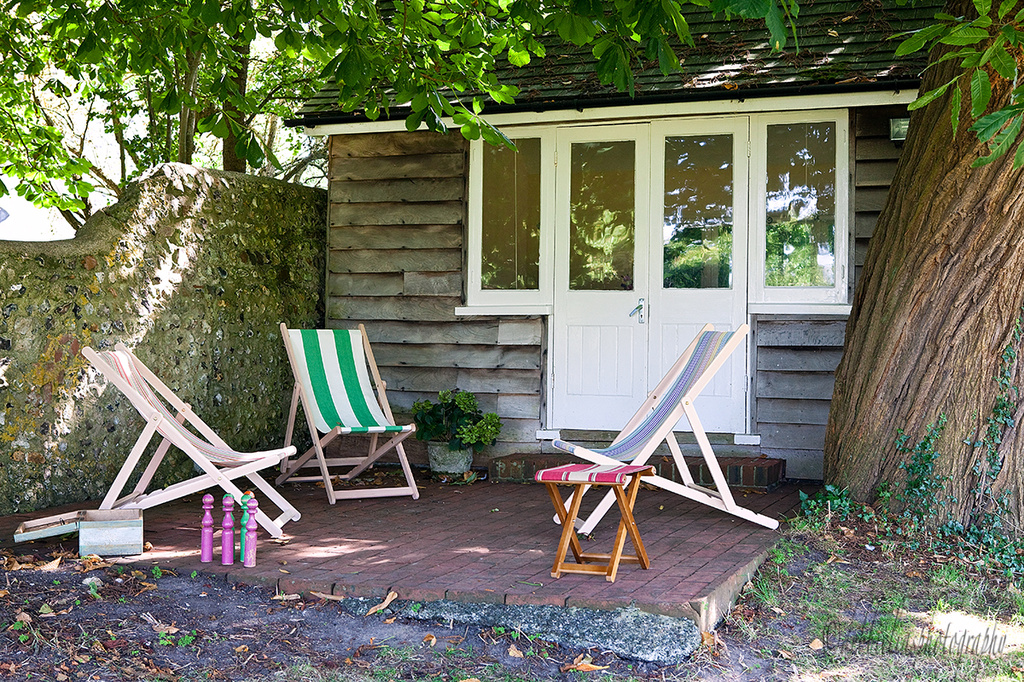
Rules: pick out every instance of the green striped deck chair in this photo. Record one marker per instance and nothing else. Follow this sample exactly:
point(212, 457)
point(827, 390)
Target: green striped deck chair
point(672, 399)
point(173, 420)
point(335, 376)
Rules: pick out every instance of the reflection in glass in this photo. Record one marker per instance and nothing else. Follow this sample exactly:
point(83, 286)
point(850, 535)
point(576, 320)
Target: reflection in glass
point(601, 218)
point(801, 205)
point(510, 248)
point(697, 231)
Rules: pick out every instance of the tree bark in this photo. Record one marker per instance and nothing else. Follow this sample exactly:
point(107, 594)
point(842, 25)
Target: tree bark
point(940, 295)
point(229, 157)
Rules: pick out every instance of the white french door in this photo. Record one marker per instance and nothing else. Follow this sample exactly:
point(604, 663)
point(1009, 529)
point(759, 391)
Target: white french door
point(599, 372)
point(650, 245)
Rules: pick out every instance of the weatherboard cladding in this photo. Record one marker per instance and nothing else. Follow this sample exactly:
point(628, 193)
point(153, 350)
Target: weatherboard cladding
point(847, 45)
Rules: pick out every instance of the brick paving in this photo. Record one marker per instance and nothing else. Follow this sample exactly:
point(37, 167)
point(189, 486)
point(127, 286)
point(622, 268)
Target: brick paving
point(486, 542)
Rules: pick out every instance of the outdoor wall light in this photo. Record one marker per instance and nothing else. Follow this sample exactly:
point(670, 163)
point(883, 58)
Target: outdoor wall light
point(898, 129)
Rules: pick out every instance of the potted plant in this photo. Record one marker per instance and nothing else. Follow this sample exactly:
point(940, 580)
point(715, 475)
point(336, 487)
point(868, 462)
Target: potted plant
point(454, 427)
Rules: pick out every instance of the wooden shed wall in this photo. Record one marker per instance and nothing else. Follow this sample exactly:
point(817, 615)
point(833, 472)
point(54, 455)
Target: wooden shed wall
point(795, 356)
point(396, 264)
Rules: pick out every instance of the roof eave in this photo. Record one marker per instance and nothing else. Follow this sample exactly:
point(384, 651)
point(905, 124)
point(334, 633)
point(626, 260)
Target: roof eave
point(603, 101)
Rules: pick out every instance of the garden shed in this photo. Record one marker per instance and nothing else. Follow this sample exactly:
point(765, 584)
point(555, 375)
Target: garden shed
point(559, 280)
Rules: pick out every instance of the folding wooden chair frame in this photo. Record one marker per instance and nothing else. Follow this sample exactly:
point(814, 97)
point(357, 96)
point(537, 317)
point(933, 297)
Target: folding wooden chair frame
point(593, 563)
point(221, 465)
point(289, 468)
point(721, 498)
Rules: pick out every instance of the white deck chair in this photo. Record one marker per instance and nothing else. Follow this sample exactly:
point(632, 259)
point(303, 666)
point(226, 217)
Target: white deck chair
point(670, 400)
point(333, 370)
point(221, 465)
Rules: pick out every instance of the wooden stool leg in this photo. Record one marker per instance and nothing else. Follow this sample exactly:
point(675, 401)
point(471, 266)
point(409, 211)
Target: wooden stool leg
point(633, 528)
point(568, 519)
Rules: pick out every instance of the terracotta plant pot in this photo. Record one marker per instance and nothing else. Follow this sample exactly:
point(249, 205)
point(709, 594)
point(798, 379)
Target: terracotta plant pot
point(445, 461)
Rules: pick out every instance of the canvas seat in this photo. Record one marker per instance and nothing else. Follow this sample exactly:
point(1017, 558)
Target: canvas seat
point(670, 400)
point(168, 416)
point(335, 375)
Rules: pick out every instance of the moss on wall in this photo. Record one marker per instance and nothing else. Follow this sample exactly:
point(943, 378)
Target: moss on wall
point(194, 270)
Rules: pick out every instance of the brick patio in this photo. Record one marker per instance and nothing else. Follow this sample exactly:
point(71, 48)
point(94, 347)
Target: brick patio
point(486, 542)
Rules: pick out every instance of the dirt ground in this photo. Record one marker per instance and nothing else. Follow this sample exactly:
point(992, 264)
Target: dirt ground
point(838, 602)
point(60, 624)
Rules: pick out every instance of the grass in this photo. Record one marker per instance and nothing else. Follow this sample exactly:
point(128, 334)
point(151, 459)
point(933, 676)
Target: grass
point(831, 603)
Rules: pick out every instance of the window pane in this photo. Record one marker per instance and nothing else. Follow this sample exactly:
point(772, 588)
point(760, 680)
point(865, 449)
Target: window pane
point(697, 231)
point(602, 229)
point(510, 245)
point(801, 210)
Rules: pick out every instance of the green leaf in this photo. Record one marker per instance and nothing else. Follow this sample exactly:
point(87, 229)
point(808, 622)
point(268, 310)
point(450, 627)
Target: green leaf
point(1003, 63)
point(1018, 158)
point(981, 92)
point(1002, 142)
point(987, 126)
point(983, 7)
point(954, 110)
point(1005, 6)
point(518, 56)
point(776, 27)
point(930, 96)
point(965, 35)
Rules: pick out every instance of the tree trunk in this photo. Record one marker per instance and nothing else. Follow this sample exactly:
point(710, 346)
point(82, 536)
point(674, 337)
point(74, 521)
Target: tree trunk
point(229, 157)
point(937, 303)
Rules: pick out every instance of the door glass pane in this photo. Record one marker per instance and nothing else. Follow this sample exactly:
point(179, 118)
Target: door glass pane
point(697, 231)
point(801, 205)
point(601, 218)
point(510, 246)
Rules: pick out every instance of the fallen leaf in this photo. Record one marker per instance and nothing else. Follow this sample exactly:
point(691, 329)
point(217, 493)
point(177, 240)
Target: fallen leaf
point(168, 629)
point(284, 571)
point(281, 596)
point(392, 596)
point(779, 611)
point(147, 546)
point(914, 574)
point(45, 609)
point(329, 597)
point(23, 617)
point(786, 654)
point(588, 667)
point(707, 639)
point(430, 640)
point(514, 651)
point(4, 593)
point(138, 574)
point(817, 644)
point(146, 587)
point(49, 565)
point(389, 621)
point(241, 649)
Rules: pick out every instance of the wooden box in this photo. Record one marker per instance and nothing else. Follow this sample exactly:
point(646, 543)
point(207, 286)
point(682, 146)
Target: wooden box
point(110, 532)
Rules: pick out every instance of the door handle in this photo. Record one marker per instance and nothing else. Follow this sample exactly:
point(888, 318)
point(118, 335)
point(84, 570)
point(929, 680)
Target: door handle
point(638, 311)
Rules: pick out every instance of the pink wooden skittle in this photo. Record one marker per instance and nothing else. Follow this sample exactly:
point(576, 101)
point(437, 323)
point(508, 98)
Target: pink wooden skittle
point(227, 537)
point(206, 534)
point(249, 560)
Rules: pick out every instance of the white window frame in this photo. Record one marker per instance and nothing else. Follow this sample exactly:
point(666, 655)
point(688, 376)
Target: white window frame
point(797, 297)
point(511, 301)
point(760, 298)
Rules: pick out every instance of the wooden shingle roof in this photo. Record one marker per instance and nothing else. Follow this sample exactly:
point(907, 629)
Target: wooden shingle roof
point(845, 45)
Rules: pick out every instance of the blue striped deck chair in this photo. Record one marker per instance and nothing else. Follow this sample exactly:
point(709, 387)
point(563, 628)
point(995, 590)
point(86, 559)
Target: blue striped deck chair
point(335, 376)
point(168, 416)
point(670, 400)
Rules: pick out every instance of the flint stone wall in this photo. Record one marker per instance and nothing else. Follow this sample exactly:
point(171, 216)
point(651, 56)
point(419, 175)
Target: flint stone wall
point(194, 270)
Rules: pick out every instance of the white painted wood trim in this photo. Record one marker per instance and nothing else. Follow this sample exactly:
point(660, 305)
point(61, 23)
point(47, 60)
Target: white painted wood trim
point(647, 111)
point(468, 310)
point(800, 309)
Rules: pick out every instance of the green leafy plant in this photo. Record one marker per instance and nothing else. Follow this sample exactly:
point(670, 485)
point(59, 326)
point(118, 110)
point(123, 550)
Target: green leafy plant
point(456, 419)
point(157, 572)
point(830, 501)
point(923, 487)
